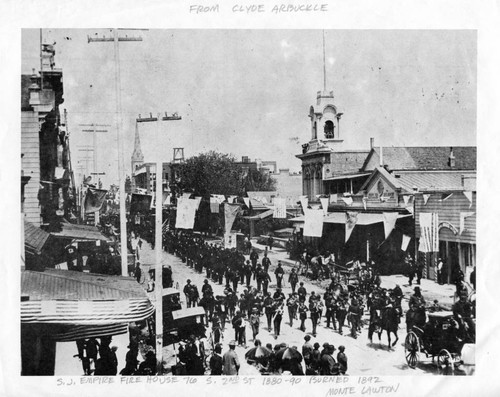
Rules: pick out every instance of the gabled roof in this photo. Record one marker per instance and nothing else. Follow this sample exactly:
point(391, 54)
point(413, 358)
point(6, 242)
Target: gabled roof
point(386, 175)
point(425, 157)
point(347, 162)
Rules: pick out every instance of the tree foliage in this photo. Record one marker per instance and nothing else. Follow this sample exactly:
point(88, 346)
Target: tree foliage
point(218, 173)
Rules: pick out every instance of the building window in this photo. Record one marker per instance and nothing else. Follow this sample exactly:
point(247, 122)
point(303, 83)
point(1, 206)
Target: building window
point(329, 129)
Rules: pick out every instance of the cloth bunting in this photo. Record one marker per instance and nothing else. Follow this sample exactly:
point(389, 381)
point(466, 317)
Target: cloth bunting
point(94, 199)
point(406, 199)
point(318, 195)
point(279, 210)
point(469, 197)
point(230, 212)
point(247, 201)
point(303, 202)
point(214, 205)
point(313, 224)
point(405, 242)
point(410, 209)
point(186, 195)
point(186, 210)
point(390, 219)
point(220, 198)
point(364, 203)
point(315, 206)
point(464, 215)
point(324, 204)
point(429, 234)
point(230, 199)
point(426, 197)
point(350, 221)
point(333, 198)
point(347, 200)
point(167, 199)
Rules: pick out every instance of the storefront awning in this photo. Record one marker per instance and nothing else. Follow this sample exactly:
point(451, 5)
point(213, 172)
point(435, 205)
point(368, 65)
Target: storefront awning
point(340, 217)
point(69, 333)
point(69, 297)
point(347, 176)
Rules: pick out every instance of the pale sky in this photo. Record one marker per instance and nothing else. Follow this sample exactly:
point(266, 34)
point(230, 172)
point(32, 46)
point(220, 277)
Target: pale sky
point(248, 92)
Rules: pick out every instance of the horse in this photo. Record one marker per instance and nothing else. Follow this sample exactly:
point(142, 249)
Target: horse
point(389, 322)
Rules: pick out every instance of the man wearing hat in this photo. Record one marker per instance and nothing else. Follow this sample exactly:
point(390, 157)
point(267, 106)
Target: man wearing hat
point(279, 272)
point(307, 349)
point(255, 322)
point(328, 364)
point(293, 279)
point(231, 364)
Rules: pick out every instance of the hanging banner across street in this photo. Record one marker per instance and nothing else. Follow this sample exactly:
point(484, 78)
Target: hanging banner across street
point(429, 239)
point(186, 210)
point(324, 204)
point(390, 219)
point(350, 222)
point(230, 212)
point(313, 224)
point(464, 215)
point(214, 205)
point(405, 242)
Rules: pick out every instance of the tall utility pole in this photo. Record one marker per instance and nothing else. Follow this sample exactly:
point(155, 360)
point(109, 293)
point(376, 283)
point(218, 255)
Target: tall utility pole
point(158, 234)
point(118, 122)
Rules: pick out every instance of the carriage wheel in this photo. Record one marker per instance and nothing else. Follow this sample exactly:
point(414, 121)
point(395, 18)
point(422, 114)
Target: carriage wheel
point(445, 359)
point(412, 349)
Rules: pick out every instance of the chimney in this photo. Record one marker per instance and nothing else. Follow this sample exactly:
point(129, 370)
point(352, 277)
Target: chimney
point(381, 157)
point(372, 143)
point(451, 159)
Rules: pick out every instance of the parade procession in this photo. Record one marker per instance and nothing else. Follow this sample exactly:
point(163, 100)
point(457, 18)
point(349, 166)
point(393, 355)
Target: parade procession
point(212, 218)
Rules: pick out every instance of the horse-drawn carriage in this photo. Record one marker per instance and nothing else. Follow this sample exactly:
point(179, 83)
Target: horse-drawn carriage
point(441, 337)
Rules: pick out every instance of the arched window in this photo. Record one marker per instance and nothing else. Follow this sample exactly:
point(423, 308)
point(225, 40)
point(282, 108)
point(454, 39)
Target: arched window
point(329, 129)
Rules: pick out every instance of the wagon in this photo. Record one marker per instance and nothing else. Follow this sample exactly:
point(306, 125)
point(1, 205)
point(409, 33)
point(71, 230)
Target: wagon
point(437, 338)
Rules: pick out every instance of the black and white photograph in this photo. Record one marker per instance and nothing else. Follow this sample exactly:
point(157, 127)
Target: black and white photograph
point(315, 216)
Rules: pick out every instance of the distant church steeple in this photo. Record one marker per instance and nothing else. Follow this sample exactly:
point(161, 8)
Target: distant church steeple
point(137, 157)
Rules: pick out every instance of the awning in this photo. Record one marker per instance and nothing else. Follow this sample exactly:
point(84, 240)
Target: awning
point(69, 297)
point(340, 217)
point(189, 312)
point(34, 238)
point(347, 176)
point(69, 333)
point(83, 232)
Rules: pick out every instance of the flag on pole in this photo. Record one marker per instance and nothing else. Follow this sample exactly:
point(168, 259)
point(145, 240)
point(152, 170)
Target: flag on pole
point(279, 210)
point(247, 201)
point(230, 212)
point(186, 210)
point(350, 222)
point(324, 204)
point(390, 219)
point(464, 215)
point(426, 197)
point(429, 233)
point(333, 198)
point(405, 242)
point(313, 224)
point(214, 205)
